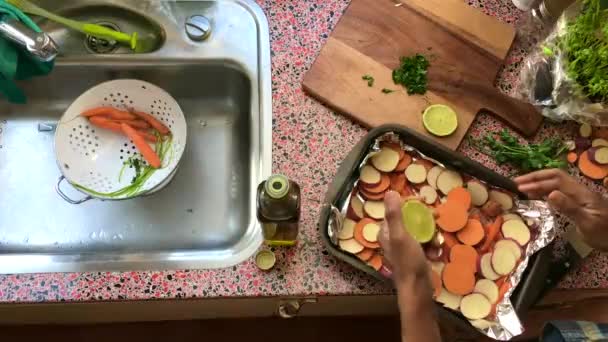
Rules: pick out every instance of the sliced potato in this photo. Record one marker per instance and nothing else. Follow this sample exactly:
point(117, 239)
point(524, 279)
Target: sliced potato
point(585, 130)
point(503, 261)
point(350, 246)
point(491, 208)
point(478, 191)
point(599, 142)
point(375, 209)
point(386, 159)
point(487, 288)
point(505, 200)
point(428, 194)
point(356, 205)
point(482, 324)
point(507, 217)
point(448, 180)
point(415, 173)
point(475, 306)
point(370, 232)
point(369, 175)
point(485, 264)
point(516, 230)
point(510, 245)
point(437, 266)
point(598, 155)
point(431, 177)
point(348, 229)
point(449, 299)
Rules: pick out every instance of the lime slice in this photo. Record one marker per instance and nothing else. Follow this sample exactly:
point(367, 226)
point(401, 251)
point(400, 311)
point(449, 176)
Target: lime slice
point(440, 120)
point(418, 220)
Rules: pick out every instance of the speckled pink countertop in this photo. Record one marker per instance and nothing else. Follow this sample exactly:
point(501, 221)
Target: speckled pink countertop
point(308, 145)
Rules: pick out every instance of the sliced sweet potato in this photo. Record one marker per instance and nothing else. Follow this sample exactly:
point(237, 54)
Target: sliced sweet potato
point(452, 217)
point(358, 234)
point(598, 155)
point(365, 254)
point(379, 187)
point(375, 262)
point(369, 175)
point(350, 246)
point(504, 199)
point(355, 209)
point(394, 147)
point(428, 165)
point(370, 196)
point(461, 196)
point(466, 256)
point(348, 229)
point(448, 180)
point(385, 160)
point(398, 181)
point(457, 279)
point(591, 169)
point(472, 233)
point(405, 161)
point(415, 173)
point(478, 191)
point(475, 306)
point(491, 208)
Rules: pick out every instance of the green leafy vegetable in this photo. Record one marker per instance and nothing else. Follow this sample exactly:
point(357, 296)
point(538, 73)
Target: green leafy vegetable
point(585, 45)
point(387, 91)
point(143, 172)
point(369, 79)
point(529, 157)
point(412, 74)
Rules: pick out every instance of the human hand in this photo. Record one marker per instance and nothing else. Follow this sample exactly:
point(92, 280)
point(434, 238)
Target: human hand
point(405, 255)
point(587, 209)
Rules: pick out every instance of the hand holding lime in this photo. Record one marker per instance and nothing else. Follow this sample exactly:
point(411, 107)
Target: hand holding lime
point(418, 220)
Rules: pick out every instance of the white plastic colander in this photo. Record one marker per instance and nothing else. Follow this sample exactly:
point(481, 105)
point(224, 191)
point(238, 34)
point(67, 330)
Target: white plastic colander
point(92, 158)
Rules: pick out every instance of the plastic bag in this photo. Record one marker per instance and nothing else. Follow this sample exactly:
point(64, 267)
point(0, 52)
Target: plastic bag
point(545, 83)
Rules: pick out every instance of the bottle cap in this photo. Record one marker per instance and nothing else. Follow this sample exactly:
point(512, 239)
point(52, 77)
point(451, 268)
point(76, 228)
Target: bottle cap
point(265, 260)
point(277, 186)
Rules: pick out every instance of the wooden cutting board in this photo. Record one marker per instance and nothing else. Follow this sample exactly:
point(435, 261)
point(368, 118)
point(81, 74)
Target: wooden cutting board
point(466, 49)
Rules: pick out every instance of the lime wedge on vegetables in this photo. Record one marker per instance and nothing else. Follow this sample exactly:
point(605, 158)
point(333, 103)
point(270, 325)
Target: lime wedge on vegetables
point(418, 220)
point(440, 120)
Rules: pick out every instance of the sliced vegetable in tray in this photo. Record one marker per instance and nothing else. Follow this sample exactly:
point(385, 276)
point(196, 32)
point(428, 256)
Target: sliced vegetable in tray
point(468, 229)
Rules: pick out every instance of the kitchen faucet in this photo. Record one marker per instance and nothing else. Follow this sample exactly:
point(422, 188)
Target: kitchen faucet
point(39, 44)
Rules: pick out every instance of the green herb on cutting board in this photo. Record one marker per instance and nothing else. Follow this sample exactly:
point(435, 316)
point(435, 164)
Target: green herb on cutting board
point(585, 45)
point(505, 148)
point(412, 74)
point(369, 79)
point(387, 91)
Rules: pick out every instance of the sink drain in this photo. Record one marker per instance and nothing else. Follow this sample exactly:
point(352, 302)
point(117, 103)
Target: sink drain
point(100, 45)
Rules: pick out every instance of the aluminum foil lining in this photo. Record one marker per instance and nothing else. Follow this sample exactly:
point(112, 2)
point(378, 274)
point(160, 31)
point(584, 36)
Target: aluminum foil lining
point(537, 215)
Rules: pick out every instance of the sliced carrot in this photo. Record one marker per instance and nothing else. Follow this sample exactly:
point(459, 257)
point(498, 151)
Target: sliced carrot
point(365, 254)
point(452, 216)
point(146, 151)
point(359, 234)
point(384, 183)
point(398, 181)
point(375, 261)
point(404, 163)
point(370, 196)
point(458, 280)
point(426, 163)
point(109, 112)
point(472, 233)
point(572, 157)
point(591, 169)
point(464, 255)
point(437, 284)
point(491, 234)
point(159, 126)
point(461, 196)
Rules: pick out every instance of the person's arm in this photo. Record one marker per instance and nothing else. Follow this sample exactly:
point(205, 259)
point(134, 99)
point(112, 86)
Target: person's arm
point(587, 209)
point(411, 275)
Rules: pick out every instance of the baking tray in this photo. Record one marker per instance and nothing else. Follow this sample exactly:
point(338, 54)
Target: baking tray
point(533, 279)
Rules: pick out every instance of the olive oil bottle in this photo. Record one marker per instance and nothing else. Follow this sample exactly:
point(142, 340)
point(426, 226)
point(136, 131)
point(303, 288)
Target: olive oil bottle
point(278, 210)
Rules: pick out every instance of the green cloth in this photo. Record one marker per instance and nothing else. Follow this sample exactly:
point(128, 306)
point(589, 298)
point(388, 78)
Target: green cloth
point(16, 63)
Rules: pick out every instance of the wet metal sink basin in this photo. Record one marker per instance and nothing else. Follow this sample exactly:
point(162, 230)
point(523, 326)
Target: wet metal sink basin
point(205, 218)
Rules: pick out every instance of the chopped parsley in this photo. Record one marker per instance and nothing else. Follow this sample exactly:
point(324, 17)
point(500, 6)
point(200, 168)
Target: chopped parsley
point(412, 74)
point(387, 91)
point(369, 79)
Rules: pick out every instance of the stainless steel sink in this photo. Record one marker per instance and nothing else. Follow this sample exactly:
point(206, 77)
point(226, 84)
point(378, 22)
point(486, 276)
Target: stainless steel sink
point(205, 218)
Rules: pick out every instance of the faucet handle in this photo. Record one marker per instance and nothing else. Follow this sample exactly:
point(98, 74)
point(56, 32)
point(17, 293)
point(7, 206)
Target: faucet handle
point(39, 44)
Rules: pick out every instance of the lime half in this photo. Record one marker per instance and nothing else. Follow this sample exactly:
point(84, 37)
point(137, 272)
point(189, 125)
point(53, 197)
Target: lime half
point(418, 220)
point(440, 120)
